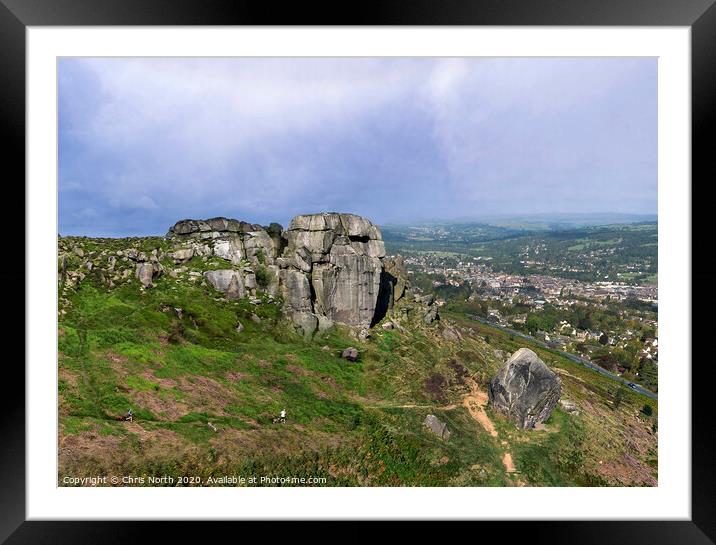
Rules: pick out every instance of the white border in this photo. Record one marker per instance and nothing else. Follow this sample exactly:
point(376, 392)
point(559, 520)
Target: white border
point(671, 499)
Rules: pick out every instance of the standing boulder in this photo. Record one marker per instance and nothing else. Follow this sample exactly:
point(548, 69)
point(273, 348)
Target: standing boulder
point(439, 428)
point(525, 389)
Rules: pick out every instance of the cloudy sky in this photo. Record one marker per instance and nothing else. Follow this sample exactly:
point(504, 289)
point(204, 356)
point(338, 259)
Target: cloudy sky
point(146, 142)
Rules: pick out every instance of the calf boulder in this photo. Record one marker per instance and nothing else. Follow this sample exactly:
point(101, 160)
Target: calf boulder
point(525, 389)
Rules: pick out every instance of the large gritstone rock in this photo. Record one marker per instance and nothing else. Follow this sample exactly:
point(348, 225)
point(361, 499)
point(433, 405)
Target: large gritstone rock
point(525, 389)
point(332, 267)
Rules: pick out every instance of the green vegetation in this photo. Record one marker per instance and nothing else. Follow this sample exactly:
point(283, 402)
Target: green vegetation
point(205, 395)
point(619, 252)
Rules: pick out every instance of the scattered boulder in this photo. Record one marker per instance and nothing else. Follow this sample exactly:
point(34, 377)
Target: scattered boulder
point(569, 406)
point(431, 315)
point(183, 255)
point(147, 272)
point(305, 322)
point(439, 428)
point(255, 318)
point(350, 354)
point(525, 389)
point(235, 290)
point(239, 327)
point(428, 299)
point(388, 326)
point(250, 281)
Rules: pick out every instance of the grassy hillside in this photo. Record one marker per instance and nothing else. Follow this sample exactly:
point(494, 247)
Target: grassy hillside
point(204, 394)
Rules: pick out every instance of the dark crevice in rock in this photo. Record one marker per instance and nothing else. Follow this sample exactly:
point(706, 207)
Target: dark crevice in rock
point(385, 296)
point(356, 238)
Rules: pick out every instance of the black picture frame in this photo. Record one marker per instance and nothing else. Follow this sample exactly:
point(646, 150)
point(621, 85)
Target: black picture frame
point(699, 15)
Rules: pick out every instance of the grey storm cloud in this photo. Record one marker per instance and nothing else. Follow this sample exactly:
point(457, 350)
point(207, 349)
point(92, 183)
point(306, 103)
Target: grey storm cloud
point(145, 142)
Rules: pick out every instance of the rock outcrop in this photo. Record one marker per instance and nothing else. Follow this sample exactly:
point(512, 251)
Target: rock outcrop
point(328, 268)
point(249, 247)
point(525, 389)
point(229, 239)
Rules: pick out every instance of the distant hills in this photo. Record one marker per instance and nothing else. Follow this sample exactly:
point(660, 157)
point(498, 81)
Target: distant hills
point(535, 222)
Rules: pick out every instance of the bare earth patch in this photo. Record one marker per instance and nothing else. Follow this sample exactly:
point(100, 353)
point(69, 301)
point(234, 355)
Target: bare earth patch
point(165, 408)
point(507, 462)
point(475, 402)
point(204, 394)
point(235, 376)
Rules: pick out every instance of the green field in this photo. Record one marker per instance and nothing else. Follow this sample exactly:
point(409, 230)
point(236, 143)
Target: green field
point(604, 252)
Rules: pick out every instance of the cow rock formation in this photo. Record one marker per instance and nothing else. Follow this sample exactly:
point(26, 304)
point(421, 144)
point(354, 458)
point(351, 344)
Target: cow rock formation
point(328, 267)
point(331, 267)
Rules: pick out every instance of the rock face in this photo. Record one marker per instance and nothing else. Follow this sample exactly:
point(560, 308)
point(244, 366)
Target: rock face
point(525, 389)
point(229, 239)
point(439, 428)
point(329, 267)
point(332, 266)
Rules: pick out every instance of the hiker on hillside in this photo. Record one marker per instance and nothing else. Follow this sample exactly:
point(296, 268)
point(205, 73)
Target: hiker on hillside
point(129, 416)
point(283, 415)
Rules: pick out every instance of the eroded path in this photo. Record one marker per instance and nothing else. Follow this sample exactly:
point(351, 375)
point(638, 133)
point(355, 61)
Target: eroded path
point(475, 402)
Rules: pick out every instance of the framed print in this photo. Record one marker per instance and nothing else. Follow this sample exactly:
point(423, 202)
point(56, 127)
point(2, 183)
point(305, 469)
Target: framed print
point(420, 264)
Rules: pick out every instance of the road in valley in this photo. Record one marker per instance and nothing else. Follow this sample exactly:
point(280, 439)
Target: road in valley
point(567, 355)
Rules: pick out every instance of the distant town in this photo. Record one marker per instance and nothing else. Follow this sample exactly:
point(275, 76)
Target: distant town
point(591, 293)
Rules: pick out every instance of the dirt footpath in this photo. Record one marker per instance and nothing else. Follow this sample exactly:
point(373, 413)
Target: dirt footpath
point(475, 402)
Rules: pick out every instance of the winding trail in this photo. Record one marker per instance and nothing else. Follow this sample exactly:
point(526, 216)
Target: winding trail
point(475, 402)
